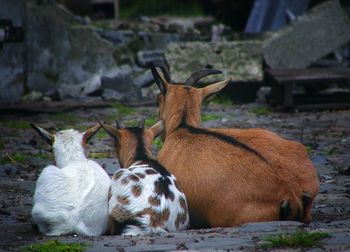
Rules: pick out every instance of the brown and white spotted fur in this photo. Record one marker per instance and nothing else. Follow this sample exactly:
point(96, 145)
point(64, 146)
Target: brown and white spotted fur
point(144, 197)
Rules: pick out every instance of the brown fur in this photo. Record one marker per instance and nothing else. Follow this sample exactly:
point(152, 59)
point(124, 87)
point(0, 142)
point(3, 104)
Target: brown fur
point(154, 201)
point(180, 218)
point(123, 200)
point(226, 185)
point(136, 190)
point(157, 218)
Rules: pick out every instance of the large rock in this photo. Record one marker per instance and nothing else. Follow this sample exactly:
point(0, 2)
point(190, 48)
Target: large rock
point(239, 60)
point(310, 37)
point(121, 81)
point(12, 71)
point(61, 51)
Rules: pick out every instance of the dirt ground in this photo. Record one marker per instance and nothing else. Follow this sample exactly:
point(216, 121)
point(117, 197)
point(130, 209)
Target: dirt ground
point(24, 154)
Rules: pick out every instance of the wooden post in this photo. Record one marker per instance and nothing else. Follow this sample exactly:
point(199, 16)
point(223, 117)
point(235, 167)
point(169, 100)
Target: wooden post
point(116, 9)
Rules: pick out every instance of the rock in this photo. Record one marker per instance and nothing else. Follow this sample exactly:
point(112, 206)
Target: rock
point(33, 96)
point(144, 80)
point(121, 80)
point(61, 50)
point(239, 60)
point(112, 95)
point(144, 58)
point(117, 37)
point(12, 73)
point(312, 36)
point(157, 40)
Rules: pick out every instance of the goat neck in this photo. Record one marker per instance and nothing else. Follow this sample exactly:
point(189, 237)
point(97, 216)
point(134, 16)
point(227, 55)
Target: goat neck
point(182, 106)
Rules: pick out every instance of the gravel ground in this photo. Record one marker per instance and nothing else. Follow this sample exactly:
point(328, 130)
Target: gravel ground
point(325, 134)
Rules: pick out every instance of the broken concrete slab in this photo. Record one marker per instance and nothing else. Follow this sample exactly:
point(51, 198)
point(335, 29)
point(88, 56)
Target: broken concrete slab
point(310, 37)
point(239, 60)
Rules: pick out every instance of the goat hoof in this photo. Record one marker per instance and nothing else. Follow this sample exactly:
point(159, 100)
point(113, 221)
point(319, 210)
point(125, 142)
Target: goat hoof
point(284, 210)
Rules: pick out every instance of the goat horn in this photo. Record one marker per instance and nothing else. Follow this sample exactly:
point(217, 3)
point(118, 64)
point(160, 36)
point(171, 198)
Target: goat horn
point(142, 123)
point(196, 76)
point(117, 124)
point(164, 67)
point(158, 79)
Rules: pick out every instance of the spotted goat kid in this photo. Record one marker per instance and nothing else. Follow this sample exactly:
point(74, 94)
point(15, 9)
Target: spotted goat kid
point(144, 198)
point(71, 196)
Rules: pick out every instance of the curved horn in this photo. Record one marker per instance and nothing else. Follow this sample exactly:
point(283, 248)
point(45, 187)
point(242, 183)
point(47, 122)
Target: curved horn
point(158, 80)
point(142, 123)
point(196, 76)
point(164, 67)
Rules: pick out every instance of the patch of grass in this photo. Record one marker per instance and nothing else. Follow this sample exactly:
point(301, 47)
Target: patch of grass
point(98, 155)
point(308, 149)
point(158, 142)
point(209, 117)
point(261, 111)
point(300, 238)
point(55, 246)
point(14, 158)
point(102, 134)
point(14, 124)
point(123, 110)
point(64, 117)
point(45, 156)
point(221, 99)
point(151, 120)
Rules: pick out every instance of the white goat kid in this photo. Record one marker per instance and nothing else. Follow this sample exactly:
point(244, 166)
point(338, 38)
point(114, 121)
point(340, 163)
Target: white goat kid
point(71, 197)
point(144, 196)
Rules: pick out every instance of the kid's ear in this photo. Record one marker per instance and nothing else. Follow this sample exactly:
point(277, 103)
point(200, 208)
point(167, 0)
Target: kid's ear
point(90, 132)
point(49, 138)
point(214, 88)
point(157, 128)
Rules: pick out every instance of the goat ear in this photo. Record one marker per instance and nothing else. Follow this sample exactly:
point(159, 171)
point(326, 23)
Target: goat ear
point(142, 123)
point(90, 132)
point(157, 128)
point(162, 84)
point(49, 138)
point(214, 88)
point(112, 131)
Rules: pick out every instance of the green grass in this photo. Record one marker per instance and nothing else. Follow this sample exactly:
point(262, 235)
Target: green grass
point(45, 156)
point(14, 124)
point(63, 117)
point(102, 134)
point(158, 142)
point(55, 246)
point(261, 111)
point(300, 238)
point(221, 99)
point(151, 120)
point(99, 155)
point(123, 110)
point(18, 157)
point(308, 149)
point(209, 117)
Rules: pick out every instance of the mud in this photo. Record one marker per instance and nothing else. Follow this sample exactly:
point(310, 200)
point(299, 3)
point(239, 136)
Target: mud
point(325, 134)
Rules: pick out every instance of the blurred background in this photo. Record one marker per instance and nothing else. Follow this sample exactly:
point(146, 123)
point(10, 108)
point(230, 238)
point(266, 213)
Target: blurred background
point(291, 54)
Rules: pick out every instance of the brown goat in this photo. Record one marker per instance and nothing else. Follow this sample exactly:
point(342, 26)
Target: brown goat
point(231, 176)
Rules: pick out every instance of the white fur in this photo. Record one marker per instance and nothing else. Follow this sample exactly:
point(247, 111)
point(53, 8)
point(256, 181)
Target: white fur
point(72, 197)
point(138, 204)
